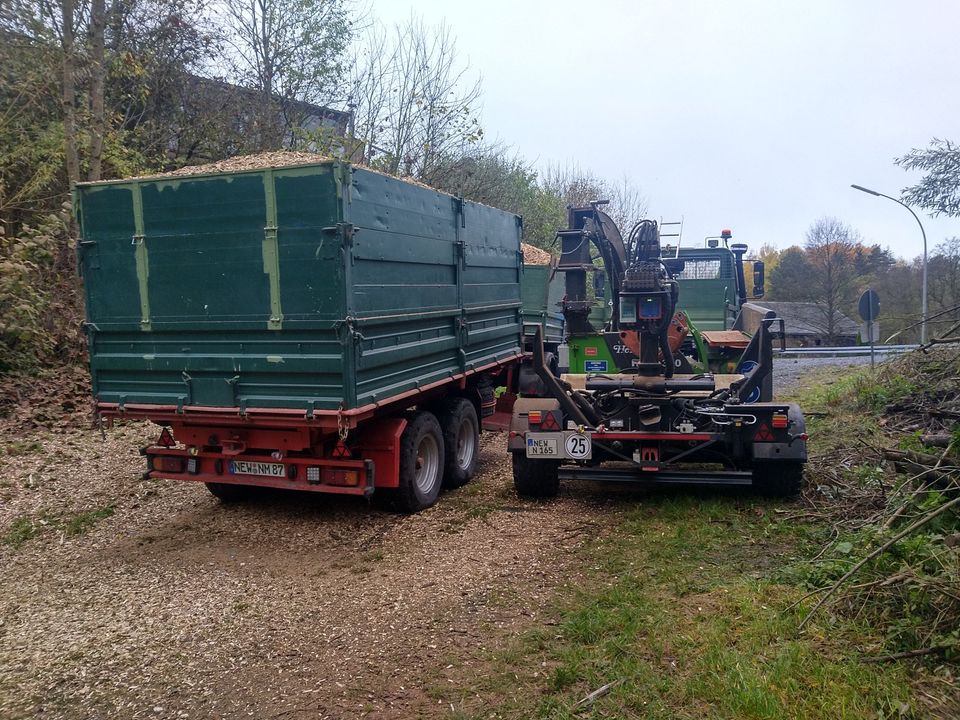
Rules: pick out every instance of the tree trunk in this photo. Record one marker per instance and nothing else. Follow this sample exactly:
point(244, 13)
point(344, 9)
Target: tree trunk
point(98, 73)
point(69, 96)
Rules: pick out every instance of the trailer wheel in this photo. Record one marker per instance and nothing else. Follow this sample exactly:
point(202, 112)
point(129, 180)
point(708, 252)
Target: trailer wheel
point(778, 479)
point(461, 442)
point(228, 492)
point(535, 478)
point(421, 463)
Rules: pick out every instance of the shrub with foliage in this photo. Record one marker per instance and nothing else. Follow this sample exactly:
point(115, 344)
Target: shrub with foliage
point(39, 317)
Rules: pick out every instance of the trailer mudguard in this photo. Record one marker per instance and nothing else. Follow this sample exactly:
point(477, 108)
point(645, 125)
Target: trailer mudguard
point(519, 425)
point(794, 451)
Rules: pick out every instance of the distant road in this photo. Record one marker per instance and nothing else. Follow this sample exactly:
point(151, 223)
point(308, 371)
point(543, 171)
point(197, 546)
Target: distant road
point(787, 372)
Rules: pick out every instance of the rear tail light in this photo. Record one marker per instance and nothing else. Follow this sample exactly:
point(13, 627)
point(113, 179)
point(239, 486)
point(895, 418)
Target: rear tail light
point(780, 421)
point(534, 417)
point(166, 464)
point(336, 476)
point(550, 421)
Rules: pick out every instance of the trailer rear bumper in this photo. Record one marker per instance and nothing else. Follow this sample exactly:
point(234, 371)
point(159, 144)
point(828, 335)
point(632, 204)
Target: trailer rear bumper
point(310, 474)
point(704, 478)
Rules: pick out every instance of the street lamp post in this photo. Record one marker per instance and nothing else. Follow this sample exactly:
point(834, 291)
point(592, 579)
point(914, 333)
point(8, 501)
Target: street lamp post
point(923, 309)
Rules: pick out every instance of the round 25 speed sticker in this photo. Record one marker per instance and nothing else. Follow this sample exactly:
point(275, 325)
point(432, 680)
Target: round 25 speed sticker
point(577, 446)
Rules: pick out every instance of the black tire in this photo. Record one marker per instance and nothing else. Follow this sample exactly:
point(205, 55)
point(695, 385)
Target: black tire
point(778, 479)
point(461, 442)
point(421, 464)
point(535, 478)
point(230, 493)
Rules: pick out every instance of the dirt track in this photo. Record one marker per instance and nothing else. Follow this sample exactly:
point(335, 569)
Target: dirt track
point(130, 598)
point(292, 606)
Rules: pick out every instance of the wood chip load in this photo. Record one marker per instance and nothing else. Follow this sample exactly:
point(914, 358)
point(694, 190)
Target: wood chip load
point(534, 255)
point(240, 163)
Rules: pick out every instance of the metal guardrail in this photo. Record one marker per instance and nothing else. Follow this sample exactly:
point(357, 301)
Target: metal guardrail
point(846, 351)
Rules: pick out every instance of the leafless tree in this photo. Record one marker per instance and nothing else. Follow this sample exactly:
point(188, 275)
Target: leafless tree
point(832, 249)
point(289, 51)
point(944, 270)
point(415, 104)
point(579, 187)
point(572, 184)
point(68, 23)
point(97, 128)
point(628, 205)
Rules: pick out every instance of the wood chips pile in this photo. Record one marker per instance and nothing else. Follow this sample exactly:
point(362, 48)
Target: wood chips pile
point(247, 162)
point(534, 255)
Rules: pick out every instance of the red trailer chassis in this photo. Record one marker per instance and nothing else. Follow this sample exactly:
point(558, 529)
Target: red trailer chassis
point(347, 452)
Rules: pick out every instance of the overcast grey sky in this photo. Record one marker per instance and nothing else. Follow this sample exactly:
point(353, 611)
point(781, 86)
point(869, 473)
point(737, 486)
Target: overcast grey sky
point(749, 114)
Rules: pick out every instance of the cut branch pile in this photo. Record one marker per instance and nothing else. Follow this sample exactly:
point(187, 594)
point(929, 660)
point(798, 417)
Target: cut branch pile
point(895, 503)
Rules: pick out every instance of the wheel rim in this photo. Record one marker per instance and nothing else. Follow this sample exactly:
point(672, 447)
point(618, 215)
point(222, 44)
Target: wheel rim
point(466, 444)
point(428, 463)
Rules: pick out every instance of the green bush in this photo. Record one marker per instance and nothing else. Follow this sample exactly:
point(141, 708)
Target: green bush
point(33, 294)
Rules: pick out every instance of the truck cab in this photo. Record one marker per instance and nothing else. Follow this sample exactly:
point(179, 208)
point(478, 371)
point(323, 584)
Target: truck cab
point(712, 281)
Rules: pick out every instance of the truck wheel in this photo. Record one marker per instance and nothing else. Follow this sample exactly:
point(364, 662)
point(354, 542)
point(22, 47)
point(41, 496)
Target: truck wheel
point(228, 492)
point(778, 479)
point(461, 442)
point(535, 478)
point(421, 464)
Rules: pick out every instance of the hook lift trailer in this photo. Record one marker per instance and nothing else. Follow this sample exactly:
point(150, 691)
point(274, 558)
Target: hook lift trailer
point(644, 423)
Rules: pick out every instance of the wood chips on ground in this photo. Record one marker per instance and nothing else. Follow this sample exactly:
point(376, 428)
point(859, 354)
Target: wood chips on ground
point(172, 605)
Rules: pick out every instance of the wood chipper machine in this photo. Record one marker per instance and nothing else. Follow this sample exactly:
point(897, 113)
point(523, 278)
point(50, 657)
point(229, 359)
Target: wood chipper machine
point(650, 418)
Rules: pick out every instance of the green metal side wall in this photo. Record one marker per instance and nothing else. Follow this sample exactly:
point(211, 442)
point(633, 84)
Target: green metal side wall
point(303, 287)
point(541, 301)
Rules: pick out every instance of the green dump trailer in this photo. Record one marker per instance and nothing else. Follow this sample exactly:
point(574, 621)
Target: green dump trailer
point(542, 293)
point(318, 327)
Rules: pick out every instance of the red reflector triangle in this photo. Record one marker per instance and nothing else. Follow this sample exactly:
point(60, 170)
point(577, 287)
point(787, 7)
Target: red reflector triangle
point(341, 450)
point(549, 422)
point(166, 438)
point(763, 433)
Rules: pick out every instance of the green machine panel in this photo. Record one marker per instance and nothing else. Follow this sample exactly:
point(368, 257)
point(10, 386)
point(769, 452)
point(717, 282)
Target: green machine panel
point(310, 287)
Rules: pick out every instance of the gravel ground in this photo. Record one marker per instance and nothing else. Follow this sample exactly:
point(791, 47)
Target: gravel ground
point(292, 606)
